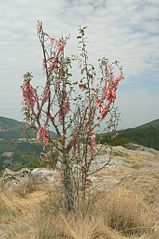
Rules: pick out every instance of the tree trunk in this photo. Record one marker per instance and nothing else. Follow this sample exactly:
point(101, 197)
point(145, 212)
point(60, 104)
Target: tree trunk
point(68, 188)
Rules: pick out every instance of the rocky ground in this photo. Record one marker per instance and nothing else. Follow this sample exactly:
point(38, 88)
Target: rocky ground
point(133, 158)
point(135, 166)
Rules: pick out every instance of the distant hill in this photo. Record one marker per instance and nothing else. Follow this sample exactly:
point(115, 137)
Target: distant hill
point(146, 135)
point(16, 151)
point(6, 123)
point(12, 129)
point(154, 124)
point(18, 146)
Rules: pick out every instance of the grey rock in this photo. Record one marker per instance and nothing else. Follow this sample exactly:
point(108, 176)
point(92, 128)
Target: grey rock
point(7, 172)
point(119, 156)
point(132, 146)
point(12, 179)
point(48, 175)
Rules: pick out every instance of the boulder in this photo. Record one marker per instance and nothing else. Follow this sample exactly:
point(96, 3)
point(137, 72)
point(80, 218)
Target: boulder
point(12, 180)
point(132, 146)
point(45, 174)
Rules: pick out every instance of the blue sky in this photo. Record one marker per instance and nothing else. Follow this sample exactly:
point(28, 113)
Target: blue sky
point(126, 30)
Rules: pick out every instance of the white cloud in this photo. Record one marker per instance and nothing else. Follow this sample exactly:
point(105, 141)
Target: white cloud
point(137, 107)
point(124, 30)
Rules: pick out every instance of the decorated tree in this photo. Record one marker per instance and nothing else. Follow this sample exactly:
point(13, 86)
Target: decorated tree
point(73, 109)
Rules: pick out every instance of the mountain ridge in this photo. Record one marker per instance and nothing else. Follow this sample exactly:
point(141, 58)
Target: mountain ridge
point(14, 129)
point(6, 123)
point(146, 135)
point(153, 123)
point(16, 151)
point(18, 146)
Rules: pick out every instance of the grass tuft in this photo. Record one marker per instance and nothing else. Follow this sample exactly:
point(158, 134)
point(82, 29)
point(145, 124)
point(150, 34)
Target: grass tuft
point(124, 211)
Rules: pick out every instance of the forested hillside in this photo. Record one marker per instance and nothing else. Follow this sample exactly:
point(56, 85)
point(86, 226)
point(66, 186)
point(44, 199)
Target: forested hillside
point(146, 135)
point(18, 150)
point(18, 147)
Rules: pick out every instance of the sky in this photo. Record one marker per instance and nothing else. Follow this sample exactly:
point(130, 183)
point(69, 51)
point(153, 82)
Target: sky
point(125, 30)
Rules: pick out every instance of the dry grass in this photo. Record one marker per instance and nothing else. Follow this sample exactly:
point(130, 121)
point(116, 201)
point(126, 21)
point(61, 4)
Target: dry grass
point(8, 205)
point(145, 184)
point(135, 162)
point(16, 211)
point(51, 221)
point(38, 212)
point(88, 228)
point(29, 186)
point(116, 172)
point(133, 158)
point(119, 214)
point(73, 227)
point(124, 211)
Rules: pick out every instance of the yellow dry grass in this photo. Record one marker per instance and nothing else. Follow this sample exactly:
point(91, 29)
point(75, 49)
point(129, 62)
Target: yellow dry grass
point(116, 172)
point(118, 214)
point(73, 227)
point(133, 158)
point(145, 184)
point(11, 203)
point(124, 212)
point(16, 211)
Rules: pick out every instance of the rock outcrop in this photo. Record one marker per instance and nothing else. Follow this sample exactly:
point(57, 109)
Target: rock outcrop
point(12, 179)
point(132, 146)
point(120, 157)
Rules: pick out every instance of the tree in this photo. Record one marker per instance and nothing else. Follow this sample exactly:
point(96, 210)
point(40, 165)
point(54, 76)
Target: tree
point(73, 109)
